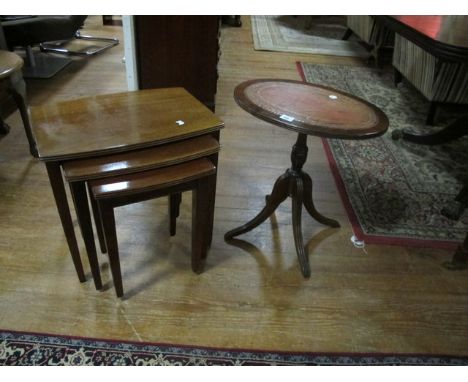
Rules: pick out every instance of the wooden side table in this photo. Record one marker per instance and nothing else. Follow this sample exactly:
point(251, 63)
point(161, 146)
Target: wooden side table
point(106, 124)
point(306, 109)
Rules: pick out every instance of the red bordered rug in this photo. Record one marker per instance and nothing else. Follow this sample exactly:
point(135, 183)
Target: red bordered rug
point(394, 191)
point(28, 349)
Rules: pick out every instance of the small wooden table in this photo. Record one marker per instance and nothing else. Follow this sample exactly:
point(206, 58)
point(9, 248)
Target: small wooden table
point(306, 109)
point(113, 123)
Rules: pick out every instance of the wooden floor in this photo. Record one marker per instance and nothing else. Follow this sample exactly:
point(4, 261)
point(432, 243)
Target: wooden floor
point(252, 294)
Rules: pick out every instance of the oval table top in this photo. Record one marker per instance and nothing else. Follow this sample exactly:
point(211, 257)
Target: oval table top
point(9, 63)
point(311, 109)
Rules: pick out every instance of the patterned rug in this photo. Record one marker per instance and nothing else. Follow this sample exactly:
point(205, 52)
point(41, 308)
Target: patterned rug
point(27, 349)
point(394, 190)
point(305, 34)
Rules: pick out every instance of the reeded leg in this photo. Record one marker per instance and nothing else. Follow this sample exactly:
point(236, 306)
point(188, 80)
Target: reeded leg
point(97, 222)
point(108, 225)
point(174, 211)
point(279, 193)
point(78, 191)
point(297, 199)
point(58, 189)
point(309, 204)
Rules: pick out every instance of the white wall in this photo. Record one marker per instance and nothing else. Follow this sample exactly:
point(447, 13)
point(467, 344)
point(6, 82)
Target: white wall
point(130, 52)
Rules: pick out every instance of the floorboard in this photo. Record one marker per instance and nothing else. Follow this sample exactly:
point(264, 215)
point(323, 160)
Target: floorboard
point(251, 295)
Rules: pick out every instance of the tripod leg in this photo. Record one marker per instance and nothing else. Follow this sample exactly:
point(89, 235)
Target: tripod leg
point(297, 200)
point(279, 193)
point(309, 204)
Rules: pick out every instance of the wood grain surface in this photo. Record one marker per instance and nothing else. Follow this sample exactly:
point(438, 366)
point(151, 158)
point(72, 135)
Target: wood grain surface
point(140, 160)
point(152, 179)
point(119, 122)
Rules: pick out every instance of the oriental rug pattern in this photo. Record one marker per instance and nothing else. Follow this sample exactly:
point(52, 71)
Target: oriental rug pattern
point(27, 349)
point(394, 190)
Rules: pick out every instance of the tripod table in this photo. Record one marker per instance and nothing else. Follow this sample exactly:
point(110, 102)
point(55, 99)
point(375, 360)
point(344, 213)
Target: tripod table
point(306, 109)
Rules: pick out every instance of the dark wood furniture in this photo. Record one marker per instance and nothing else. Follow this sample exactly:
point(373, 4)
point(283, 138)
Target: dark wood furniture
point(306, 109)
point(178, 51)
point(442, 36)
point(445, 38)
point(12, 85)
point(110, 124)
point(198, 175)
point(434, 56)
point(79, 172)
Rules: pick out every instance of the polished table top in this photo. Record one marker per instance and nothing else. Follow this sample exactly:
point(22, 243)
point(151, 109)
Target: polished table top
point(451, 30)
point(311, 109)
point(445, 37)
point(119, 122)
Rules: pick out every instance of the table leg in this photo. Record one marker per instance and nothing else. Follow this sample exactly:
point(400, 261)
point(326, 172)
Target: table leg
point(309, 204)
point(298, 185)
point(97, 221)
point(58, 189)
point(297, 192)
point(18, 92)
point(174, 211)
point(456, 129)
point(78, 191)
point(279, 193)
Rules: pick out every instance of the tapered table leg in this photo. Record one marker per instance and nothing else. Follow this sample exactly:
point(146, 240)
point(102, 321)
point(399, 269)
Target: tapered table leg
point(174, 211)
point(78, 191)
point(97, 221)
point(108, 226)
point(58, 189)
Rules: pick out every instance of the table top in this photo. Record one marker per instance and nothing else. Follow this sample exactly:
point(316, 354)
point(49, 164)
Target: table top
point(9, 63)
point(119, 122)
point(444, 36)
point(311, 109)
